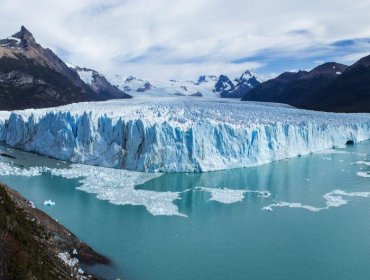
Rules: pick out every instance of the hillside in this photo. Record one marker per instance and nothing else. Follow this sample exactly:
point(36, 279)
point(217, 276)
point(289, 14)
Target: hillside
point(34, 246)
point(329, 87)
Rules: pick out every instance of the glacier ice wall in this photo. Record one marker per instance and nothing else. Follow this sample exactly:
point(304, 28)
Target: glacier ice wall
point(178, 136)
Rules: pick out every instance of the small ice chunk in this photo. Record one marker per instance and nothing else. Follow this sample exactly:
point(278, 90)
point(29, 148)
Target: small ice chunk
point(49, 203)
point(267, 208)
point(264, 194)
point(362, 162)
point(9, 169)
point(363, 174)
point(326, 158)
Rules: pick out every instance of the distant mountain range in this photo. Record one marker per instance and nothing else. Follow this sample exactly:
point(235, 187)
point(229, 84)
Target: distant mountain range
point(207, 86)
point(329, 87)
point(34, 77)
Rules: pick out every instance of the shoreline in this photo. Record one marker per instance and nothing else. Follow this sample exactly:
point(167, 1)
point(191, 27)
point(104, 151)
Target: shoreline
point(63, 254)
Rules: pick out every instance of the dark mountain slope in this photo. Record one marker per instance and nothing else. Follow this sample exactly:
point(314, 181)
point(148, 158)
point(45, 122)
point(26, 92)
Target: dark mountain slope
point(350, 92)
point(34, 77)
point(302, 89)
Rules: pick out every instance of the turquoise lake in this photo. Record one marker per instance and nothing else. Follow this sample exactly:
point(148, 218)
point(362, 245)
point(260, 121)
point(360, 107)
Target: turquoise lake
point(218, 240)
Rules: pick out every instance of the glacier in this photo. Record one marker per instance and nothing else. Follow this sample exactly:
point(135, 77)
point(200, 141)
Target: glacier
point(178, 135)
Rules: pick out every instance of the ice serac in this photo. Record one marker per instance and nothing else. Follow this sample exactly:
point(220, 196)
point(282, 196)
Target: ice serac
point(172, 135)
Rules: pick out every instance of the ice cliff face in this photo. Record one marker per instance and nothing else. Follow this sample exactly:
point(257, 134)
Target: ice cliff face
point(172, 135)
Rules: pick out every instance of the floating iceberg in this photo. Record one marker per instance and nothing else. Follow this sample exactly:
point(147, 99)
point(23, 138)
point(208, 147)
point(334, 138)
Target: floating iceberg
point(49, 203)
point(361, 162)
point(363, 174)
point(118, 187)
point(9, 169)
point(333, 199)
point(228, 196)
point(178, 135)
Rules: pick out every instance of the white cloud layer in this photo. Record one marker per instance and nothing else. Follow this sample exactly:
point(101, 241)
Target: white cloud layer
point(165, 38)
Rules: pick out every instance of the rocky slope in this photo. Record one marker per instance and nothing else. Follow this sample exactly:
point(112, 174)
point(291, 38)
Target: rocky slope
point(34, 246)
point(34, 77)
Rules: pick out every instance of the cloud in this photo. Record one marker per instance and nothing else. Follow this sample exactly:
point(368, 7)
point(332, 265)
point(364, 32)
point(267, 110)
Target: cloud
point(165, 38)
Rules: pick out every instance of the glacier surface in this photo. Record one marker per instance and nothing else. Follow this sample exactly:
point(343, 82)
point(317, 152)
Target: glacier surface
point(178, 135)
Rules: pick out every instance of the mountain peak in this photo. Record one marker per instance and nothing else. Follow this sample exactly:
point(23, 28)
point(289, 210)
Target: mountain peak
point(24, 29)
point(25, 35)
point(248, 73)
point(329, 69)
point(365, 61)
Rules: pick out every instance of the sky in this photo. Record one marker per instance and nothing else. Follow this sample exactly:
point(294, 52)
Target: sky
point(182, 39)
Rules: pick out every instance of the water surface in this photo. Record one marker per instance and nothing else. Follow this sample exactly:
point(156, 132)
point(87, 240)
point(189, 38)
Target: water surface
point(217, 240)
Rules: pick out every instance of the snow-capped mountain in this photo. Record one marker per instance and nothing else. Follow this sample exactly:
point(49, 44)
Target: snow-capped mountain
point(238, 87)
point(141, 87)
point(97, 82)
point(130, 84)
point(206, 86)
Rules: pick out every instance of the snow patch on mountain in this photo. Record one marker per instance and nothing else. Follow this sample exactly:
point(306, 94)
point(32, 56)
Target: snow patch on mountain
point(70, 65)
point(17, 40)
point(87, 76)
